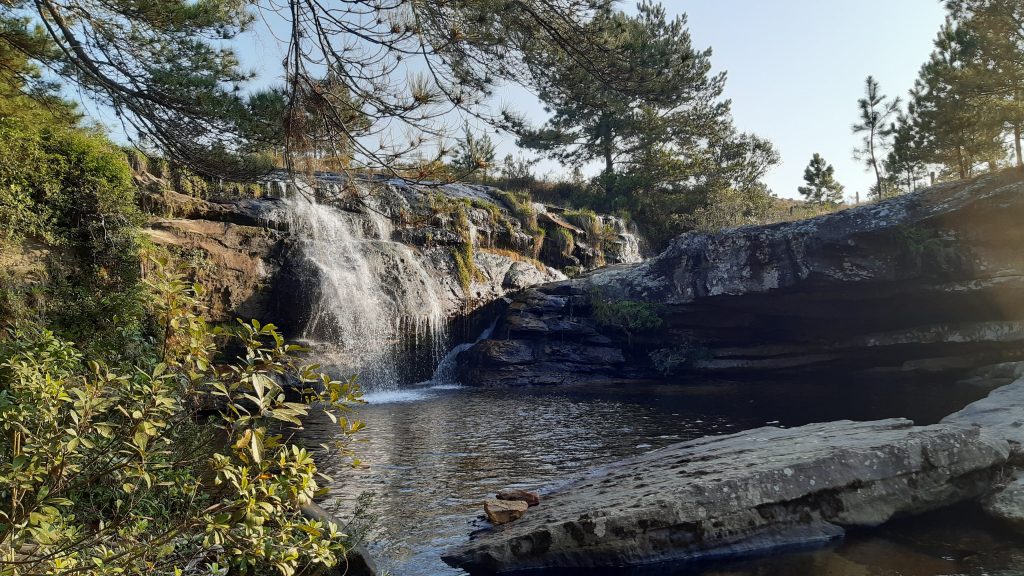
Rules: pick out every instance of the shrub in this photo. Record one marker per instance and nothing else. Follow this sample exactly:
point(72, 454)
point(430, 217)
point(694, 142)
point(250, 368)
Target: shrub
point(70, 191)
point(629, 316)
point(108, 472)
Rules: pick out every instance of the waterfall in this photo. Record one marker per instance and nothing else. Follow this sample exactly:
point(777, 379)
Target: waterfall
point(628, 244)
point(375, 306)
point(445, 371)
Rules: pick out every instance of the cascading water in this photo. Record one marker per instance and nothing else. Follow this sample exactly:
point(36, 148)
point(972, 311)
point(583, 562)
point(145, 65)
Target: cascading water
point(374, 305)
point(629, 244)
point(445, 373)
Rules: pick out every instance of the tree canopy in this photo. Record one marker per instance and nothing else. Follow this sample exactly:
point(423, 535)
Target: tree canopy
point(666, 141)
point(359, 71)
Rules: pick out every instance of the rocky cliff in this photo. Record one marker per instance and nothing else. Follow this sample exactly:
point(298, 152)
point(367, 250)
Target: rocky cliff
point(930, 281)
point(367, 264)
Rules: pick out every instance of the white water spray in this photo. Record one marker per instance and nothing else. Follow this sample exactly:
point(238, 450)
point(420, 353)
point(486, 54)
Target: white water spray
point(375, 303)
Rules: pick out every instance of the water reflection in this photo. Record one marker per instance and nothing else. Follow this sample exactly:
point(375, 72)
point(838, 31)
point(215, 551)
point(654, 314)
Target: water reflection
point(435, 454)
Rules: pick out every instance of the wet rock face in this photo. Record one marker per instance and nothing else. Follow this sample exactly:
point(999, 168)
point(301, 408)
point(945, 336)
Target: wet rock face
point(244, 252)
point(928, 282)
point(742, 494)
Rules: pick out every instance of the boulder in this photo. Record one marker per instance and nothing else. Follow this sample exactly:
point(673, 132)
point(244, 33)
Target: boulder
point(742, 494)
point(930, 282)
point(531, 498)
point(504, 511)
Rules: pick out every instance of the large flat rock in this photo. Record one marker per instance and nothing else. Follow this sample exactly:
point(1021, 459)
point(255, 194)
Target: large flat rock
point(1000, 414)
point(743, 494)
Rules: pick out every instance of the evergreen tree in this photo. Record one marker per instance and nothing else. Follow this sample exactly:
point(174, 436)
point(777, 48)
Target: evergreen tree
point(672, 103)
point(876, 112)
point(958, 130)
point(666, 141)
point(822, 186)
point(997, 74)
point(475, 153)
point(905, 163)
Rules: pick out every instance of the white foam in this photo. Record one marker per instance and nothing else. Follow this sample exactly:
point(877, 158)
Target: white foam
point(396, 396)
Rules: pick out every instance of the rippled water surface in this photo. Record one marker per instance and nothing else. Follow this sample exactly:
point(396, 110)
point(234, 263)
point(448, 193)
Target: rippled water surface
point(433, 455)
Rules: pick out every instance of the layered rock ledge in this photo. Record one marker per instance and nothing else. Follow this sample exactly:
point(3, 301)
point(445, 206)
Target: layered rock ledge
point(249, 256)
point(762, 490)
point(927, 282)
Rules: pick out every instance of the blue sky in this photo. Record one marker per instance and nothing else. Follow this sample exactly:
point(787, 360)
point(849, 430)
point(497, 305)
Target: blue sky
point(796, 69)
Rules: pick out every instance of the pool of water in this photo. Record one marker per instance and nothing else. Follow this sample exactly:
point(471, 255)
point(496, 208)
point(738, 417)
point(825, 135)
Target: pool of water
point(433, 454)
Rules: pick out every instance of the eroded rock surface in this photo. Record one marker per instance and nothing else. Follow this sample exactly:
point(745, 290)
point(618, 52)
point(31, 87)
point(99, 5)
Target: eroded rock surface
point(923, 283)
point(247, 254)
point(743, 494)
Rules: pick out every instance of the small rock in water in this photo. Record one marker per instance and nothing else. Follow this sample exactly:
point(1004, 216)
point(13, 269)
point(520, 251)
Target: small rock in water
point(504, 511)
point(531, 498)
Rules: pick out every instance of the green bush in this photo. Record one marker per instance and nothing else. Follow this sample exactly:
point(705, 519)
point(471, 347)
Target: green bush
point(70, 192)
point(114, 472)
point(629, 316)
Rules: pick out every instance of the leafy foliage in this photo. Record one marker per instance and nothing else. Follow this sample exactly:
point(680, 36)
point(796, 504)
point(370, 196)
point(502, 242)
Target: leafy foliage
point(106, 472)
point(68, 192)
point(629, 316)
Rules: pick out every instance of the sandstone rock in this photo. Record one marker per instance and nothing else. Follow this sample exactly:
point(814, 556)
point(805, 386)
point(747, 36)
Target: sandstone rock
point(531, 498)
point(504, 511)
point(742, 494)
point(924, 283)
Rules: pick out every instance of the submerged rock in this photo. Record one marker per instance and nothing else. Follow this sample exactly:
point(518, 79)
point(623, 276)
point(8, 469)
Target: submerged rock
point(743, 494)
point(504, 511)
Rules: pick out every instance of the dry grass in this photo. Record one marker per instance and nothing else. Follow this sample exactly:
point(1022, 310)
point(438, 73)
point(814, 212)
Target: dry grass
point(516, 256)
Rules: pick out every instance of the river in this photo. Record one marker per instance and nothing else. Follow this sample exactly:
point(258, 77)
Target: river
point(432, 454)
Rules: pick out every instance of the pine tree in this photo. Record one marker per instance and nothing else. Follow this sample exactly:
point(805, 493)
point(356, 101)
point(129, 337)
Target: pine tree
point(905, 163)
point(876, 112)
point(822, 187)
point(673, 101)
point(958, 130)
point(666, 140)
point(997, 73)
point(475, 153)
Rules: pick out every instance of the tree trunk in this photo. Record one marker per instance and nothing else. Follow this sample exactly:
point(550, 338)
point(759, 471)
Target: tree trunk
point(609, 161)
point(1017, 146)
point(960, 162)
point(874, 164)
